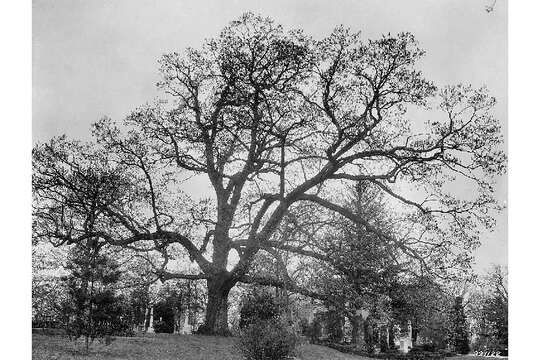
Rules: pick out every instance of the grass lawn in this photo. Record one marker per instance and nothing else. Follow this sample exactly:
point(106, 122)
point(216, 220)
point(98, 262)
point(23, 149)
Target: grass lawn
point(161, 347)
point(169, 347)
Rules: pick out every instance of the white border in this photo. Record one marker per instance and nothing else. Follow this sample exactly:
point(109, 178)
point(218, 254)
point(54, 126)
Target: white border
point(524, 178)
point(15, 175)
point(15, 147)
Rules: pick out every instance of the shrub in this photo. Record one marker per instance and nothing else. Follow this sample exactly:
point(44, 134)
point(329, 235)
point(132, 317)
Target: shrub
point(334, 322)
point(312, 330)
point(267, 340)
point(163, 327)
point(416, 353)
point(258, 306)
point(425, 347)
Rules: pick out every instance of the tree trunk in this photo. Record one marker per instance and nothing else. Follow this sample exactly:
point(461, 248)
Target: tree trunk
point(176, 315)
point(216, 320)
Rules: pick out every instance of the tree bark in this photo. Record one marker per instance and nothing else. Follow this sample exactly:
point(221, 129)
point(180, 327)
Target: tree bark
point(216, 319)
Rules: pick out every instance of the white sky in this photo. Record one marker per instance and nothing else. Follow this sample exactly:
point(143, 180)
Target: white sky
point(96, 58)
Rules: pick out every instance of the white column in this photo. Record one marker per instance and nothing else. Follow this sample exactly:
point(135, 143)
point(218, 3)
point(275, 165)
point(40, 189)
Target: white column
point(187, 327)
point(311, 316)
point(176, 322)
point(145, 317)
point(409, 335)
point(151, 325)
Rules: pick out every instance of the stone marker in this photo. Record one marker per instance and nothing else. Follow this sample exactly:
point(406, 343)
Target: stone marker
point(151, 325)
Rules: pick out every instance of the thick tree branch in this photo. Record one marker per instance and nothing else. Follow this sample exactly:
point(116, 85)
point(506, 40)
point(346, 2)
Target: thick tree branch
point(283, 284)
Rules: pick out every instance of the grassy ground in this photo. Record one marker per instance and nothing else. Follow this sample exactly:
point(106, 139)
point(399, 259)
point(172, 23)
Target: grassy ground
point(170, 347)
point(161, 347)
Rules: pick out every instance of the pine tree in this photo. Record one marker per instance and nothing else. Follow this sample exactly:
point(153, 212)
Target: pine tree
point(459, 334)
point(92, 306)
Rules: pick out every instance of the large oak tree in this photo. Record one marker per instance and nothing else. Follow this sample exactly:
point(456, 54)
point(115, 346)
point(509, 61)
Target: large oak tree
point(274, 121)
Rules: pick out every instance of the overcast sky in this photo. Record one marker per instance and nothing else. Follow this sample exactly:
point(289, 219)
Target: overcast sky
point(96, 58)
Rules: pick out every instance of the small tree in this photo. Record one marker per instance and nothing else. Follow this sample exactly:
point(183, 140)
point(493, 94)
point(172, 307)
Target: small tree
point(92, 307)
point(48, 291)
point(459, 334)
point(490, 311)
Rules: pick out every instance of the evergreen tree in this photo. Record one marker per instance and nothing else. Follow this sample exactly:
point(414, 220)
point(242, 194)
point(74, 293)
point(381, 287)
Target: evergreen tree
point(459, 334)
point(92, 306)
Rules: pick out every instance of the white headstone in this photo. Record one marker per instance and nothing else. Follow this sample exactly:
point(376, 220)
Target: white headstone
point(146, 312)
point(186, 327)
point(364, 313)
point(151, 325)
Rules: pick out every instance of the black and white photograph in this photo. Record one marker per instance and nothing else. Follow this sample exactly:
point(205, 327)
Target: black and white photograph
point(268, 180)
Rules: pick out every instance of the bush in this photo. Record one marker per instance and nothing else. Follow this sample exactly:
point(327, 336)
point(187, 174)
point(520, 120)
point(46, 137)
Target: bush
point(267, 340)
point(416, 353)
point(312, 331)
point(489, 345)
point(163, 327)
point(258, 306)
point(425, 347)
point(334, 322)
